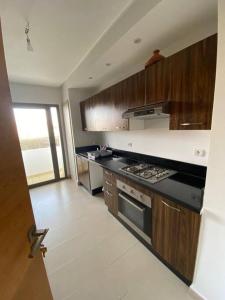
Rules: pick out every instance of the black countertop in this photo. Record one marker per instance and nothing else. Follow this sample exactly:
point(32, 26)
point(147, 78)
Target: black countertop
point(183, 188)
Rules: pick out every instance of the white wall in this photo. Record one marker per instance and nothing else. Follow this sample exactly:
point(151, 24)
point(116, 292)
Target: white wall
point(210, 272)
point(27, 93)
point(162, 142)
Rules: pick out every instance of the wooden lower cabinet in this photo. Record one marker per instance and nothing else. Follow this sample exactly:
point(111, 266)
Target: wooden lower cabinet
point(175, 231)
point(110, 191)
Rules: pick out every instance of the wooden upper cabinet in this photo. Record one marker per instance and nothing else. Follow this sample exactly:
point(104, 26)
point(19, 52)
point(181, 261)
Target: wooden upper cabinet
point(156, 82)
point(133, 90)
point(120, 105)
point(175, 235)
point(102, 111)
point(83, 115)
point(191, 85)
point(186, 79)
point(87, 118)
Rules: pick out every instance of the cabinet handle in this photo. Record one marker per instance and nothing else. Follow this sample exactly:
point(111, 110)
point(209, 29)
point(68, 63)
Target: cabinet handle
point(107, 173)
point(193, 123)
point(108, 193)
point(174, 208)
point(108, 183)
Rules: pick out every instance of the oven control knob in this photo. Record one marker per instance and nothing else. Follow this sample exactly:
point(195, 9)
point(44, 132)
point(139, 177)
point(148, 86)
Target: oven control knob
point(132, 191)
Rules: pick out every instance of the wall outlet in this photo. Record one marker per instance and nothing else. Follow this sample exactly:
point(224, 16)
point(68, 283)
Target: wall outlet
point(130, 145)
point(199, 152)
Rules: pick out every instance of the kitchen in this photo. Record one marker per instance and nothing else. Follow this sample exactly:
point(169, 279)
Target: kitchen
point(142, 140)
point(168, 193)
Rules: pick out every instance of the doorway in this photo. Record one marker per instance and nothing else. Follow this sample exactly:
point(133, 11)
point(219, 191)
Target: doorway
point(40, 136)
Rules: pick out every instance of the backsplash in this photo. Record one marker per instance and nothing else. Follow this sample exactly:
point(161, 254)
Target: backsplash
point(159, 141)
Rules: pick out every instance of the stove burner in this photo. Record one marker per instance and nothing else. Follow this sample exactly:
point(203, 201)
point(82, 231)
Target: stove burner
point(148, 172)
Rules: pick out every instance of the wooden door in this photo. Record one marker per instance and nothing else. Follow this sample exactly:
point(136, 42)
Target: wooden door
point(191, 85)
point(156, 82)
point(175, 235)
point(21, 277)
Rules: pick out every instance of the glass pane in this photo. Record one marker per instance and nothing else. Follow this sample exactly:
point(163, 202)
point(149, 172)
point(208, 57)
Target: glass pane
point(58, 141)
point(34, 140)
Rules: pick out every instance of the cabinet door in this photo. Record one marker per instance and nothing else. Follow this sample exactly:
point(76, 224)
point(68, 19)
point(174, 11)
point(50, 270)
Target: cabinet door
point(156, 82)
point(87, 114)
point(192, 82)
point(83, 115)
point(175, 235)
point(119, 106)
point(83, 172)
point(165, 226)
point(133, 90)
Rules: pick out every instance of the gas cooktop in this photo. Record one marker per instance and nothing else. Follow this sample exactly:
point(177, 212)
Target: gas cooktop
point(148, 172)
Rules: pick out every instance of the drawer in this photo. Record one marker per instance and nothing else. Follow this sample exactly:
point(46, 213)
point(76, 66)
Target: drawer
point(109, 200)
point(109, 180)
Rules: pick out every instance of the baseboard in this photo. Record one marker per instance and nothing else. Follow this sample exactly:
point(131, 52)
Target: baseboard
point(196, 295)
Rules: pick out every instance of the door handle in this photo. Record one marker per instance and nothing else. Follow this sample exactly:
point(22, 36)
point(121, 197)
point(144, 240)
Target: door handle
point(36, 238)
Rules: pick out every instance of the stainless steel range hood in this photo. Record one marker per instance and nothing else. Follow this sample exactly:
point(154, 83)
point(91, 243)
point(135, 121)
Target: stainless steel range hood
point(153, 111)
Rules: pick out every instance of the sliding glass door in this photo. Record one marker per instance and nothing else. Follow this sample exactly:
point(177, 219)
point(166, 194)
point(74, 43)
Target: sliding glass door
point(40, 138)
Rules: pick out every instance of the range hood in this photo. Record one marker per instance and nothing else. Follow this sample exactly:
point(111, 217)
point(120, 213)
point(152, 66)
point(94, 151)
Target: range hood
point(153, 111)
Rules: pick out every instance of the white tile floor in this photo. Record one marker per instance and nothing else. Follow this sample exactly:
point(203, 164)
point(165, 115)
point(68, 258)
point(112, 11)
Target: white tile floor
point(91, 256)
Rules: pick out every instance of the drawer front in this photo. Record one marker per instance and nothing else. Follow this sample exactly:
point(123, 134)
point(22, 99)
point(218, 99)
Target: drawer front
point(109, 185)
point(109, 200)
point(110, 192)
point(108, 175)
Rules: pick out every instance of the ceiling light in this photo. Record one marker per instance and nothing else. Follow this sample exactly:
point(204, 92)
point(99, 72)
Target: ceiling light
point(29, 46)
point(137, 41)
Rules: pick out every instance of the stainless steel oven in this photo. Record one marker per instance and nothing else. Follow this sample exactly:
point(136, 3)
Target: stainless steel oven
point(134, 208)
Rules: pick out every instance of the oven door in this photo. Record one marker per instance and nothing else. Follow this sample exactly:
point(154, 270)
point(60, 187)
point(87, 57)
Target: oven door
point(136, 215)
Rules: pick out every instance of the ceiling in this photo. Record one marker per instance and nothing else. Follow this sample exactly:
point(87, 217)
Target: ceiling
point(73, 40)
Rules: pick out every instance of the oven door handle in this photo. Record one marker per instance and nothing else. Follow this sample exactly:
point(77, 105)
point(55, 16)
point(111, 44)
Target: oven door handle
point(130, 202)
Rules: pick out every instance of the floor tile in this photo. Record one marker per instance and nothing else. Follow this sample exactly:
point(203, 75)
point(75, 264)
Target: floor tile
point(91, 256)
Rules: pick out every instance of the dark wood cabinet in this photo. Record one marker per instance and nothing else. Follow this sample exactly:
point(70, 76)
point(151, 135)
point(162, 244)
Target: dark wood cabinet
point(87, 109)
point(156, 82)
point(103, 112)
point(83, 172)
point(175, 235)
point(186, 80)
point(110, 191)
point(191, 85)
point(133, 90)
